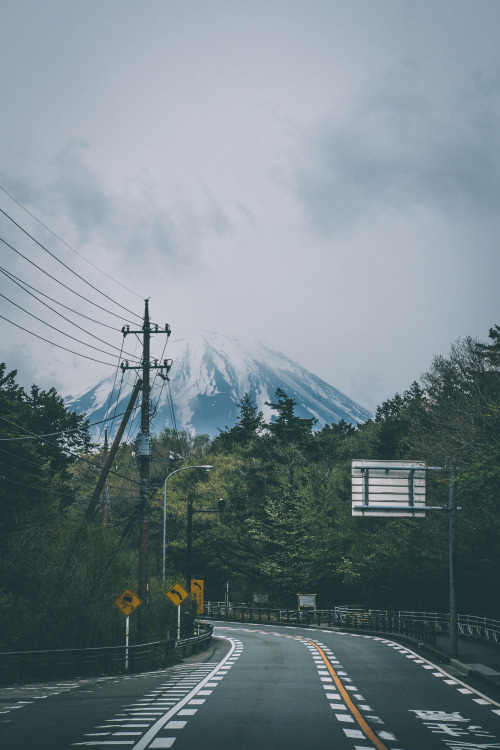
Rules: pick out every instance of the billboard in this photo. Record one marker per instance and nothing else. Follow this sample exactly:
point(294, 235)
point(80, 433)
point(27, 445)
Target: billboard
point(388, 488)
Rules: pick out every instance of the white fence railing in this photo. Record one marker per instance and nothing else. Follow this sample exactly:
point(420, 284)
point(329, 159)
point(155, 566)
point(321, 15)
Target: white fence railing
point(468, 625)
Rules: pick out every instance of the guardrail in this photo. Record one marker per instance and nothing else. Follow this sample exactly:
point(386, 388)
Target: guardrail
point(424, 623)
point(483, 628)
point(20, 666)
point(362, 621)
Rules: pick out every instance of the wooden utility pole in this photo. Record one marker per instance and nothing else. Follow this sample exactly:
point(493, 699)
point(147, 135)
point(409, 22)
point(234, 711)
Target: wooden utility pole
point(105, 491)
point(111, 455)
point(144, 458)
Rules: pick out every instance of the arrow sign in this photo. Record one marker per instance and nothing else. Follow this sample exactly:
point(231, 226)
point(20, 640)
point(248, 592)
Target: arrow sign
point(197, 586)
point(177, 594)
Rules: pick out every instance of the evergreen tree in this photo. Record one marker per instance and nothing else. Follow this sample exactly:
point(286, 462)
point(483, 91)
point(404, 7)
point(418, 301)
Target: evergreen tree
point(249, 424)
point(287, 426)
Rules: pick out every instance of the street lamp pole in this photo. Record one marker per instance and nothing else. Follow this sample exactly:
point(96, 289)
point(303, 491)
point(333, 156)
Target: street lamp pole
point(183, 468)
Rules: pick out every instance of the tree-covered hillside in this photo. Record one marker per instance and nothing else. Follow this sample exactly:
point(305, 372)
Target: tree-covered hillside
point(286, 525)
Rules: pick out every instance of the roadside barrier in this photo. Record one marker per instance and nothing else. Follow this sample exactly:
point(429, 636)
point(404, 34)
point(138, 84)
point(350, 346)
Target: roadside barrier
point(22, 666)
point(425, 624)
point(358, 620)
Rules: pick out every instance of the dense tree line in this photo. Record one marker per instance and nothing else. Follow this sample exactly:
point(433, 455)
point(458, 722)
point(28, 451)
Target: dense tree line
point(286, 526)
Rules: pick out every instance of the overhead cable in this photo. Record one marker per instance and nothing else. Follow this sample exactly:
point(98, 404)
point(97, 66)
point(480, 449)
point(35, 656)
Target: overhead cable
point(72, 429)
point(90, 346)
point(67, 245)
point(118, 349)
point(64, 264)
point(12, 276)
point(66, 450)
point(59, 346)
point(94, 304)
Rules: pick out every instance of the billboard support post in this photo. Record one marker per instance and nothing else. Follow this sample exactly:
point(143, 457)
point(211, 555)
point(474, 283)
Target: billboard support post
point(453, 563)
point(377, 494)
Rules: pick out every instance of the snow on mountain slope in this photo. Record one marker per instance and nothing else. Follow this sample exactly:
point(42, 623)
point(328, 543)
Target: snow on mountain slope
point(210, 374)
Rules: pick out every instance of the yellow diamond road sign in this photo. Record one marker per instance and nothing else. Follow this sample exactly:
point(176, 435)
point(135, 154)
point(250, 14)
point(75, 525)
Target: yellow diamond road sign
point(128, 602)
point(177, 594)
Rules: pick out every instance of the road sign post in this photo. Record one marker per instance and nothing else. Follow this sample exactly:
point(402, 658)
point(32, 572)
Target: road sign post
point(127, 603)
point(177, 595)
point(127, 633)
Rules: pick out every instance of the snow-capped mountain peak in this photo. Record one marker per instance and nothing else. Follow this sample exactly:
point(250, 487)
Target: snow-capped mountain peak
point(211, 373)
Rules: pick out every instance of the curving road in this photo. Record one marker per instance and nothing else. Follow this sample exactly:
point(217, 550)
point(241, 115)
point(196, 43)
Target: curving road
point(262, 687)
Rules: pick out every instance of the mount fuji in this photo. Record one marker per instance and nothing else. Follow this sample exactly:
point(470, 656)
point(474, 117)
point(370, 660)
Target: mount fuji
point(210, 374)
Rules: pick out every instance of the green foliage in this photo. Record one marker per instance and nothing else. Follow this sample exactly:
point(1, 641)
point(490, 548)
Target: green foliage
point(287, 426)
point(249, 425)
point(286, 525)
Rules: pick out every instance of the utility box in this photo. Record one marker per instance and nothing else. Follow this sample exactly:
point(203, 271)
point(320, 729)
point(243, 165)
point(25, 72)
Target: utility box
point(143, 445)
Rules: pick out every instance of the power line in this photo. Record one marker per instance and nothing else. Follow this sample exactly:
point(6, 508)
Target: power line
point(94, 304)
point(67, 245)
point(66, 450)
point(73, 429)
point(111, 395)
point(21, 458)
point(64, 264)
point(91, 346)
point(59, 346)
point(64, 318)
point(37, 487)
point(12, 276)
point(50, 477)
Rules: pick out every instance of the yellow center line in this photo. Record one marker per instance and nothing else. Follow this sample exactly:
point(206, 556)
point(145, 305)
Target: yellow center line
point(347, 699)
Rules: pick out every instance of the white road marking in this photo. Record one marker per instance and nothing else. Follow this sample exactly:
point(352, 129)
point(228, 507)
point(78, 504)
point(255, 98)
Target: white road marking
point(165, 721)
point(354, 734)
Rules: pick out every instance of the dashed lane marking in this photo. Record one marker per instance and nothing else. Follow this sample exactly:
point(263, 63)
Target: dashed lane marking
point(366, 730)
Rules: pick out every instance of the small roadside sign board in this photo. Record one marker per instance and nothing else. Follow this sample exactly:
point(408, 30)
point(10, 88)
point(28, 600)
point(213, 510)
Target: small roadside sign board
point(128, 602)
point(307, 600)
point(197, 587)
point(177, 594)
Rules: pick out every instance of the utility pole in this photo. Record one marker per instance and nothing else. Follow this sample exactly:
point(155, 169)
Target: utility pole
point(144, 457)
point(105, 491)
point(111, 455)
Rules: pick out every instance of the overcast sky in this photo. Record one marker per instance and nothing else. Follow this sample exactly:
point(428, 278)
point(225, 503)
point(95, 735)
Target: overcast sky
point(322, 175)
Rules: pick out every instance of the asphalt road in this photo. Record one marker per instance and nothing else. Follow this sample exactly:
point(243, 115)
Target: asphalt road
point(263, 688)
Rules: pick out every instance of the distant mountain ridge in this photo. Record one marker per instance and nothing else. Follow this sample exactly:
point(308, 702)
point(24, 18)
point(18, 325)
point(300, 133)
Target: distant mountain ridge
point(210, 375)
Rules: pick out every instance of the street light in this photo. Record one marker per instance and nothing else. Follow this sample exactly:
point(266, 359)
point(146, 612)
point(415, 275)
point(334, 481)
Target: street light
point(207, 467)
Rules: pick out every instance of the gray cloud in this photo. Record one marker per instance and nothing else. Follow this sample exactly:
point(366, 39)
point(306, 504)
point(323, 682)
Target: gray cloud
point(402, 147)
point(79, 190)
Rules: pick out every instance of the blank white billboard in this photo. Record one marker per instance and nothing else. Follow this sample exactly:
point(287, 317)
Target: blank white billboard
point(388, 488)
